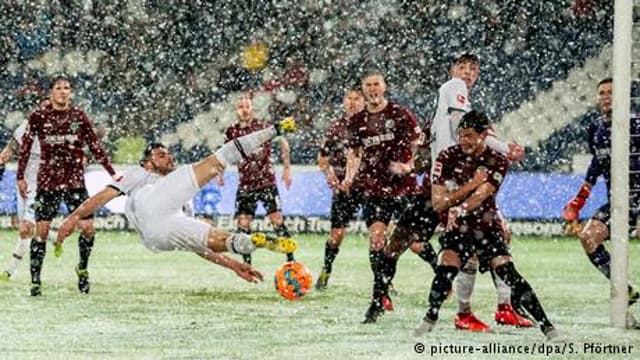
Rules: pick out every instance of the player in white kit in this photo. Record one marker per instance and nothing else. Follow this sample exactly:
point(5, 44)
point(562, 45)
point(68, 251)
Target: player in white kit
point(453, 103)
point(157, 192)
point(26, 212)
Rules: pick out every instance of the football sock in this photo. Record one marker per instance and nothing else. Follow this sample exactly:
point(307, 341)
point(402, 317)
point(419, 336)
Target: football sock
point(22, 245)
point(464, 286)
point(330, 254)
point(440, 287)
point(601, 260)
point(502, 289)
point(237, 149)
point(245, 257)
point(376, 259)
point(85, 245)
point(240, 243)
point(282, 231)
point(38, 251)
point(522, 295)
point(429, 255)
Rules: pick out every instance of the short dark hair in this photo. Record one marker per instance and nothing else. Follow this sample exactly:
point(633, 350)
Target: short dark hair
point(60, 77)
point(372, 72)
point(146, 154)
point(607, 80)
point(466, 57)
point(476, 120)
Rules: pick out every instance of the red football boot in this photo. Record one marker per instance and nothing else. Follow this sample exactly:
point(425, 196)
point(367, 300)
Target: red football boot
point(470, 322)
point(387, 304)
point(505, 315)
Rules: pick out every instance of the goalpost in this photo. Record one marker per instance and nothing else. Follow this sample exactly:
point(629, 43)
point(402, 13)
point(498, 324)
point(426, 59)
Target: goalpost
point(622, 44)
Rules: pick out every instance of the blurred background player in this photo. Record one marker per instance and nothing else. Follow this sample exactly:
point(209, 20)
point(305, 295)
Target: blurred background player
point(332, 160)
point(157, 191)
point(381, 153)
point(257, 177)
point(62, 131)
point(453, 103)
point(466, 179)
point(26, 212)
point(597, 229)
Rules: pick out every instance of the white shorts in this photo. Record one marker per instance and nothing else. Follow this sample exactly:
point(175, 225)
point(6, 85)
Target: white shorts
point(163, 224)
point(26, 207)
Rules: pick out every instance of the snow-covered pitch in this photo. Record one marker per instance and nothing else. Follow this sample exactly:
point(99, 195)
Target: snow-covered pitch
point(175, 305)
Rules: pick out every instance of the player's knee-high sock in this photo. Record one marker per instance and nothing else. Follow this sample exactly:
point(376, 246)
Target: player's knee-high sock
point(502, 289)
point(240, 243)
point(330, 254)
point(281, 230)
point(376, 258)
point(85, 245)
point(601, 260)
point(429, 255)
point(237, 149)
point(38, 251)
point(522, 295)
point(22, 245)
point(440, 287)
point(464, 286)
point(246, 257)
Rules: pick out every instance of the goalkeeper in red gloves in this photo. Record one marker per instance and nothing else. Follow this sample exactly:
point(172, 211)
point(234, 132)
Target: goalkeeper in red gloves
point(597, 229)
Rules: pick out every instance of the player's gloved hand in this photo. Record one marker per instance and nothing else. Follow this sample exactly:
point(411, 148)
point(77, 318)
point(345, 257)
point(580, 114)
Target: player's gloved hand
point(573, 228)
point(571, 211)
point(286, 125)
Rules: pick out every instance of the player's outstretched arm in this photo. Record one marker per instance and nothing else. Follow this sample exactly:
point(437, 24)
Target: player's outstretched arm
point(245, 271)
point(89, 206)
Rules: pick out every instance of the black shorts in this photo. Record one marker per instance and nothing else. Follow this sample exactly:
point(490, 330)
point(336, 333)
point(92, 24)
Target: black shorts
point(376, 209)
point(487, 246)
point(247, 201)
point(48, 202)
point(344, 207)
point(603, 214)
point(418, 215)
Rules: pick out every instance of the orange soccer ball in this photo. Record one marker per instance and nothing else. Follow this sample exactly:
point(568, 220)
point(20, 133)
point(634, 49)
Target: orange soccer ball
point(293, 280)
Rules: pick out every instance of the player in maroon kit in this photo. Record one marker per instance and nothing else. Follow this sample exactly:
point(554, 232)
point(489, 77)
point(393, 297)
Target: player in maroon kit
point(466, 179)
point(332, 160)
point(63, 131)
point(384, 135)
point(257, 176)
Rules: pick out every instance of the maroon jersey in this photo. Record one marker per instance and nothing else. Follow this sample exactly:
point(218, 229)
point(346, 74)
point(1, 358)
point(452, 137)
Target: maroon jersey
point(256, 171)
point(454, 168)
point(385, 136)
point(335, 145)
point(63, 135)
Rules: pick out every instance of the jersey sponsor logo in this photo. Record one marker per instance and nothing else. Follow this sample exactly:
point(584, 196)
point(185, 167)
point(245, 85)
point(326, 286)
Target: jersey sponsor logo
point(61, 139)
point(461, 99)
point(377, 140)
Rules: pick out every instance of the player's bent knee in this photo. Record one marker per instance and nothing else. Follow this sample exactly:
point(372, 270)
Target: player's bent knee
point(449, 258)
point(499, 261)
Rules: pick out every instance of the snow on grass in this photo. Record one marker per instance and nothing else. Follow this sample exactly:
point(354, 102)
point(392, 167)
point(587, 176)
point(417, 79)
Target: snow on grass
point(175, 305)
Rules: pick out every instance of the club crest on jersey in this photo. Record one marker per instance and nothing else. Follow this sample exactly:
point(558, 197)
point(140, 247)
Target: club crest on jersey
point(74, 126)
point(461, 99)
point(437, 169)
point(497, 177)
point(389, 124)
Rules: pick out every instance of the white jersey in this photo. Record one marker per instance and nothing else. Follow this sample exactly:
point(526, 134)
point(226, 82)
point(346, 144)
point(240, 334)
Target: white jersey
point(155, 207)
point(452, 96)
point(31, 171)
point(132, 184)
